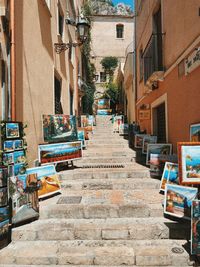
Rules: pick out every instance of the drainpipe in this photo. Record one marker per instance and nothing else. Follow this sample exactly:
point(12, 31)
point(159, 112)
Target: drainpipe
point(135, 61)
point(13, 60)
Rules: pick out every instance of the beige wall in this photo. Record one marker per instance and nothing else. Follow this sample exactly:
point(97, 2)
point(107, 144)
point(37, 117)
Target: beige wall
point(36, 33)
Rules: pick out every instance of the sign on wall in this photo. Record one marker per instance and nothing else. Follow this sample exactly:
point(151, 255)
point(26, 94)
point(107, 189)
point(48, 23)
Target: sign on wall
point(193, 61)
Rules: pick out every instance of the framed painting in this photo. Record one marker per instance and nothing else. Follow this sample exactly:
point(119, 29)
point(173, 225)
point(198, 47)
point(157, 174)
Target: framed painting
point(18, 144)
point(8, 158)
point(60, 152)
point(178, 200)
point(13, 130)
point(85, 132)
point(8, 145)
point(195, 132)
point(139, 140)
point(49, 183)
point(59, 128)
point(161, 149)
point(19, 157)
point(81, 137)
point(103, 104)
point(3, 196)
point(189, 162)
point(149, 139)
point(195, 227)
point(104, 112)
point(84, 120)
point(3, 176)
point(19, 169)
point(4, 220)
point(170, 175)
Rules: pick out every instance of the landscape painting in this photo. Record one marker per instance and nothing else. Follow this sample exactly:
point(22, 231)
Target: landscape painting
point(25, 205)
point(18, 144)
point(104, 112)
point(19, 169)
point(162, 149)
point(8, 158)
point(195, 132)
point(60, 152)
point(59, 128)
point(8, 145)
point(49, 183)
point(178, 200)
point(189, 162)
point(103, 104)
point(3, 196)
point(12, 130)
point(148, 139)
point(139, 140)
point(195, 228)
point(19, 156)
point(3, 176)
point(170, 175)
point(4, 220)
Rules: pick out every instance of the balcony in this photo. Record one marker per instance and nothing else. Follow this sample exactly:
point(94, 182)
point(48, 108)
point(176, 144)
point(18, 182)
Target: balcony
point(153, 60)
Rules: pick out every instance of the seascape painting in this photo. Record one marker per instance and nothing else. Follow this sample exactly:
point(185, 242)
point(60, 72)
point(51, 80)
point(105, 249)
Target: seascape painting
point(178, 200)
point(195, 132)
point(19, 169)
point(104, 112)
point(48, 180)
point(59, 128)
point(162, 149)
point(189, 158)
point(61, 152)
point(195, 228)
point(12, 130)
point(103, 104)
point(170, 175)
point(18, 144)
point(8, 145)
point(3, 176)
point(148, 139)
point(19, 156)
point(8, 158)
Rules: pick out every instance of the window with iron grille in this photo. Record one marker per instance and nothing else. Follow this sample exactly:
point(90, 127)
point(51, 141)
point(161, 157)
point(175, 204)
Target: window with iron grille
point(57, 96)
point(120, 31)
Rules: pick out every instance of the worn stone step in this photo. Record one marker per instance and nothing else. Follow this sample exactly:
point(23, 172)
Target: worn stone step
point(104, 160)
point(111, 253)
point(110, 184)
point(107, 146)
point(102, 229)
point(109, 153)
point(107, 142)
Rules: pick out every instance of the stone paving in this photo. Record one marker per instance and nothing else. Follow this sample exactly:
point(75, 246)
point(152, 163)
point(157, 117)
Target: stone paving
point(105, 216)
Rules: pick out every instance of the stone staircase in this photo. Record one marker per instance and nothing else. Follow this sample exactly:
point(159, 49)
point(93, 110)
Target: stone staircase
point(105, 216)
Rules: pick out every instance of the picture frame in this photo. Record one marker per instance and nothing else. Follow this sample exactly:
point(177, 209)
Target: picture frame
point(48, 180)
point(3, 196)
point(162, 149)
point(138, 142)
point(3, 176)
point(81, 137)
point(188, 159)
point(149, 139)
point(13, 130)
point(195, 132)
point(195, 225)
point(104, 112)
point(4, 227)
point(178, 200)
point(19, 156)
point(9, 145)
point(103, 104)
point(4, 214)
point(60, 152)
point(18, 144)
point(8, 158)
point(170, 175)
point(19, 169)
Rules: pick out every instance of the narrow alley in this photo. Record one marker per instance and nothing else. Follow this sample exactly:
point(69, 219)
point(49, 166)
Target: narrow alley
point(109, 214)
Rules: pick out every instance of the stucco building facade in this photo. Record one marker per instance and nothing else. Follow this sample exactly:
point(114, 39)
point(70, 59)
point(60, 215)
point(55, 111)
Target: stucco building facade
point(167, 37)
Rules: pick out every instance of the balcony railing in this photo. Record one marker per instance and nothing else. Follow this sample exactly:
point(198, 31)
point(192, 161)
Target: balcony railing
point(153, 56)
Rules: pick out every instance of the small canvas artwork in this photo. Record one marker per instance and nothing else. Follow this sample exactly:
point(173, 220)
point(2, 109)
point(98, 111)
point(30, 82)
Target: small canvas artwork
point(139, 140)
point(19, 169)
point(195, 227)
point(178, 200)
point(170, 175)
point(104, 112)
point(12, 130)
point(8, 145)
point(189, 162)
point(103, 104)
point(19, 156)
point(3, 196)
point(148, 139)
point(3, 176)
point(157, 163)
point(162, 149)
point(59, 152)
point(48, 180)
point(59, 128)
point(25, 205)
point(8, 158)
point(4, 220)
point(81, 137)
point(18, 144)
point(195, 132)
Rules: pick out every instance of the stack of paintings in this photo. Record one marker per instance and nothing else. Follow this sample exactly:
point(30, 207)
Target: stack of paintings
point(103, 107)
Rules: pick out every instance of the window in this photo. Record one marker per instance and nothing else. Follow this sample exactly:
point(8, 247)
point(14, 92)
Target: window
point(120, 31)
point(60, 21)
point(102, 77)
point(57, 96)
point(141, 64)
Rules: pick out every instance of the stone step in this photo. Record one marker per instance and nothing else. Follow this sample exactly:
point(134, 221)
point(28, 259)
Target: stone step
point(110, 184)
point(102, 229)
point(107, 146)
point(111, 253)
point(104, 160)
point(110, 153)
point(107, 142)
point(104, 174)
point(101, 211)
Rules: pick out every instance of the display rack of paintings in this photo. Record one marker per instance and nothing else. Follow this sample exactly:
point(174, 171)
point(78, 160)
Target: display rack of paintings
point(170, 175)
point(148, 139)
point(195, 132)
point(59, 128)
point(178, 200)
point(59, 152)
point(189, 162)
point(195, 227)
point(138, 142)
point(161, 149)
point(48, 181)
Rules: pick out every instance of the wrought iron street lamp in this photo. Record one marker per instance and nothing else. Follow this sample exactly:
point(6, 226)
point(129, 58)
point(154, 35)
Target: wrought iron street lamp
point(82, 26)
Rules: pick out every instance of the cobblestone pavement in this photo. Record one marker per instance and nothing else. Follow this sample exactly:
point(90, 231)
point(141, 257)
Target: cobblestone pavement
point(109, 214)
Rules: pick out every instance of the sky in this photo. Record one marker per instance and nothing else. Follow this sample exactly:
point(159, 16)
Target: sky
point(127, 2)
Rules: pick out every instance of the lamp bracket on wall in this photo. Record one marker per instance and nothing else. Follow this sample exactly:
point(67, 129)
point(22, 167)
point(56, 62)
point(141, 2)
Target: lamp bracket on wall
point(61, 47)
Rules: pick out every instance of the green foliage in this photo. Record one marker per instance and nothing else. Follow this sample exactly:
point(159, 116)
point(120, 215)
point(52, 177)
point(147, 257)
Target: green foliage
point(112, 92)
point(109, 64)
